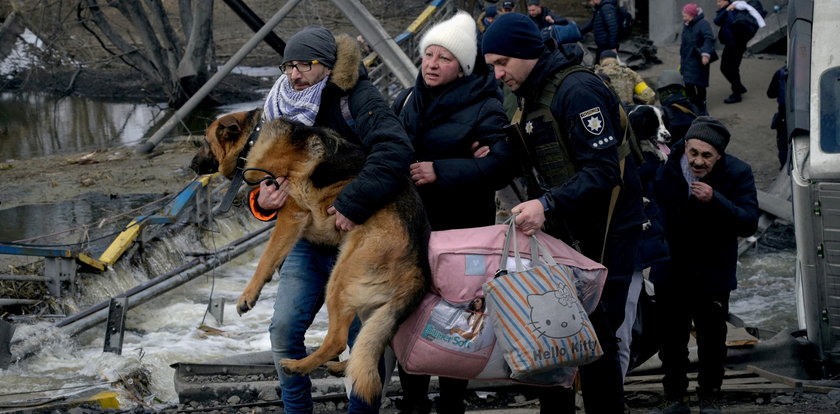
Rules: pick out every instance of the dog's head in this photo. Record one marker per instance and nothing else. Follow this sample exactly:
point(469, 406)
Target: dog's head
point(223, 141)
point(647, 124)
point(298, 152)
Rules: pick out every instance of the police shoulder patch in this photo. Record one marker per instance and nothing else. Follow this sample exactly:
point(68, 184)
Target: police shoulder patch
point(592, 120)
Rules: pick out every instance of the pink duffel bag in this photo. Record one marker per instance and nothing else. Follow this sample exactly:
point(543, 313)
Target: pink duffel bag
point(450, 334)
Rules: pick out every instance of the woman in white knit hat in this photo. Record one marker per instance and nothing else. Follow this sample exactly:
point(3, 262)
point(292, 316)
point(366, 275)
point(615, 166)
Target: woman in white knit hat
point(455, 119)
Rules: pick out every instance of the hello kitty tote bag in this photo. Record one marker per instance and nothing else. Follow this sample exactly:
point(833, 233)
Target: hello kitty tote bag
point(538, 316)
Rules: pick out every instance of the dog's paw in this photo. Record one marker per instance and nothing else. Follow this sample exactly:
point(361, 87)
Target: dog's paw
point(291, 367)
point(244, 305)
point(662, 156)
point(336, 368)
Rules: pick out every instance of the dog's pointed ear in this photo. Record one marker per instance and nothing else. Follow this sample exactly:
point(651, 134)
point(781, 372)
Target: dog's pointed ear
point(228, 129)
point(300, 133)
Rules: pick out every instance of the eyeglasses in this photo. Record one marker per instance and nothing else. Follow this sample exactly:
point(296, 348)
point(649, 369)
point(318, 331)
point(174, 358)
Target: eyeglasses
point(269, 177)
point(301, 67)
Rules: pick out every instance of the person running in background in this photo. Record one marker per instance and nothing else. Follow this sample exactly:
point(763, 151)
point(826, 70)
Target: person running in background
point(738, 23)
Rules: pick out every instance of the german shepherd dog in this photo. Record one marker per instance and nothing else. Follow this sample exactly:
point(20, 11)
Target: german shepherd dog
point(382, 270)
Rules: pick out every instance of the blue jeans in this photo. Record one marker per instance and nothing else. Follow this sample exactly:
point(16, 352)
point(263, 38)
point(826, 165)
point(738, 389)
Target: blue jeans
point(300, 294)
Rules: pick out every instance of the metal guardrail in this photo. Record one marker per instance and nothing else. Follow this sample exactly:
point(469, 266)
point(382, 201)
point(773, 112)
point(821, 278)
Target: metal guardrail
point(409, 40)
point(61, 265)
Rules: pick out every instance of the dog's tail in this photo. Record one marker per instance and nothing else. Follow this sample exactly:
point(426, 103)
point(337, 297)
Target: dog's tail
point(375, 335)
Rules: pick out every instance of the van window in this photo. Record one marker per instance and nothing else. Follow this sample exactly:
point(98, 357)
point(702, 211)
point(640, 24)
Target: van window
point(830, 110)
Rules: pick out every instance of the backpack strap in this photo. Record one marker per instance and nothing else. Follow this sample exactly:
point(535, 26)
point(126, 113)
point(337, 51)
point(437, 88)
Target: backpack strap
point(344, 103)
point(684, 109)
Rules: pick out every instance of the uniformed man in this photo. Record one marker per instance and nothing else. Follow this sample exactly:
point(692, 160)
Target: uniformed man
point(628, 84)
point(585, 190)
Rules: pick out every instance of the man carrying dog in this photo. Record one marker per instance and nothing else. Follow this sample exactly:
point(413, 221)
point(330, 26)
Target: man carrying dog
point(322, 85)
point(585, 189)
point(708, 199)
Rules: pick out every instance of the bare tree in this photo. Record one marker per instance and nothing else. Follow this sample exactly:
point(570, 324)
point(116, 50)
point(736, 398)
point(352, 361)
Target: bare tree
point(141, 34)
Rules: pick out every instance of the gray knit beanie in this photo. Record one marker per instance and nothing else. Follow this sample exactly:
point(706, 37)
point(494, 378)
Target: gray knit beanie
point(312, 43)
point(710, 130)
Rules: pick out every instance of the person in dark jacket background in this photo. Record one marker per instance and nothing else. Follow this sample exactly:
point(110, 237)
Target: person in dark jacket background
point(604, 26)
point(708, 200)
point(322, 81)
point(738, 23)
point(485, 19)
point(574, 147)
point(542, 16)
point(679, 111)
point(454, 118)
point(696, 51)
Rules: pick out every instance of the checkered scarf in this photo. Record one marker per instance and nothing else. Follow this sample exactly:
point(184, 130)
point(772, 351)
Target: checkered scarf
point(301, 106)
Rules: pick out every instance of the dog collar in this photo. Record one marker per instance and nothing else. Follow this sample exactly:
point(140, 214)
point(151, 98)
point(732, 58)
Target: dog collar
point(238, 175)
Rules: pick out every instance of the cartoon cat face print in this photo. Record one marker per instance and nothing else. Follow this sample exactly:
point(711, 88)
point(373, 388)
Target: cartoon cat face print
point(548, 321)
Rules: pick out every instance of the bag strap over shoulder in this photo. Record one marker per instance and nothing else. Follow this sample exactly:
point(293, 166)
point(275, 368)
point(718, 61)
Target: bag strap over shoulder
point(684, 109)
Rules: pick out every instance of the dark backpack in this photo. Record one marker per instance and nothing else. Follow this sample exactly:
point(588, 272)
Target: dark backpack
point(758, 7)
point(568, 32)
point(625, 22)
point(744, 26)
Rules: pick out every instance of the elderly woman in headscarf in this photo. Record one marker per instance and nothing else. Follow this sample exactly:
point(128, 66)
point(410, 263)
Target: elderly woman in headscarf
point(697, 51)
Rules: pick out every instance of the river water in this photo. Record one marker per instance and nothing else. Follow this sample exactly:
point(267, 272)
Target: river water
point(166, 330)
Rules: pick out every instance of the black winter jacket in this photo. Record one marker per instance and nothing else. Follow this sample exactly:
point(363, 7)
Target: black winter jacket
point(540, 19)
point(697, 38)
point(578, 207)
point(374, 127)
point(442, 124)
point(703, 237)
point(604, 25)
point(735, 28)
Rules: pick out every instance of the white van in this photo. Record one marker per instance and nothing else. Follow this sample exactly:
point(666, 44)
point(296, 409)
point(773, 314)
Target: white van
point(813, 120)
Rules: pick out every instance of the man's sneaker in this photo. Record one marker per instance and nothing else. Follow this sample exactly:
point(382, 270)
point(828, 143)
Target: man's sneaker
point(673, 407)
point(734, 98)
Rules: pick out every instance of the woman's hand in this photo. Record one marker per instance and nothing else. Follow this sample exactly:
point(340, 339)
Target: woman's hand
point(341, 223)
point(423, 173)
point(479, 151)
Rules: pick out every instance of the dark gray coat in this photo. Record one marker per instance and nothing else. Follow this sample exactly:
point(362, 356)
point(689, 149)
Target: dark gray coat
point(697, 38)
